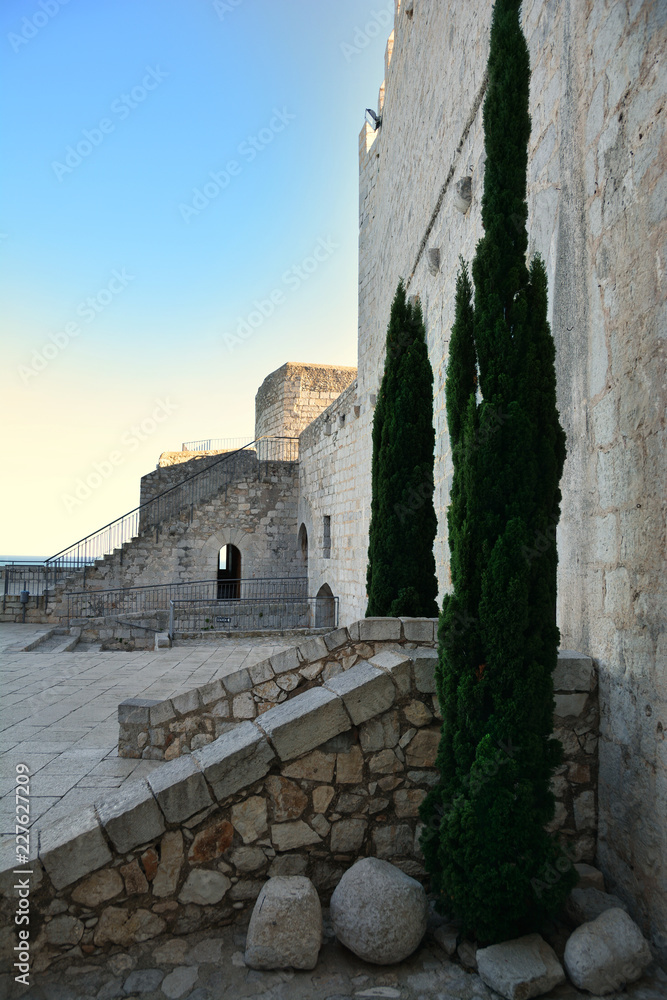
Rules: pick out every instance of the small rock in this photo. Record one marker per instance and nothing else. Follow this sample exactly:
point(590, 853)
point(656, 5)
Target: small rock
point(248, 859)
point(285, 928)
point(134, 879)
point(347, 836)
point(211, 842)
point(172, 952)
point(171, 860)
point(180, 981)
point(250, 818)
point(467, 952)
point(287, 801)
point(520, 969)
point(606, 954)
point(584, 905)
point(119, 926)
point(418, 714)
point(100, 887)
point(121, 963)
point(64, 930)
point(143, 981)
point(350, 767)
point(288, 864)
point(149, 861)
point(207, 951)
point(322, 797)
point(447, 936)
point(590, 877)
point(204, 887)
point(378, 912)
point(315, 766)
point(423, 749)
point(289, 836)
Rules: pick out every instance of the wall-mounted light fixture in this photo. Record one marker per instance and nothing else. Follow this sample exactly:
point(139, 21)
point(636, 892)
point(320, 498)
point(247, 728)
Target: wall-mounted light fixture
point(373, 119)
point(433, 260)
point(463, 194)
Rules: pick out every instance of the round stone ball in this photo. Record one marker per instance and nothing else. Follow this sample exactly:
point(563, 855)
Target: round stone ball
point(379, 912)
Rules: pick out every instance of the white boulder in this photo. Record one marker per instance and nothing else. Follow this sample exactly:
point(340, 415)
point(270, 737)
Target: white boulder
point(285, 928)
point(379, 912)
point(520, 969)
point(604, 955)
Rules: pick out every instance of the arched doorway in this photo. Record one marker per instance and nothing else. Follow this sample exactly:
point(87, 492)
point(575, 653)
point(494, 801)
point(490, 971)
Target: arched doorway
point(325, 608)
point(229, 572)
point(302, 551)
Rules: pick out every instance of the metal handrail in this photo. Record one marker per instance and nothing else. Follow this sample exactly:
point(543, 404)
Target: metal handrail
point(152, 513)
point(213, 444)
point(250, 614)
point(156, 597)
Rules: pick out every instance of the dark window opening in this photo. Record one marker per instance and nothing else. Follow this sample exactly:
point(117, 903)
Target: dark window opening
point(326, 537)
point(229, 572)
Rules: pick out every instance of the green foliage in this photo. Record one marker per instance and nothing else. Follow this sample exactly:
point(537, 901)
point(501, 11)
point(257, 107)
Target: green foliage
point(485, 842)
point(401, 576)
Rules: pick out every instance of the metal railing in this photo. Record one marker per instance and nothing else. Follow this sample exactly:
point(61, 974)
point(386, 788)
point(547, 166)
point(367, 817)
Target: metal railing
point(22, 576)
point(252, 615)
point(172, 502)
point(139, 600)
point(215, 444)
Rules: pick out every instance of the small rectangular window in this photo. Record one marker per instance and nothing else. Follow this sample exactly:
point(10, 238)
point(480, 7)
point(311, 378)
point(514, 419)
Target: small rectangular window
point(326, 537)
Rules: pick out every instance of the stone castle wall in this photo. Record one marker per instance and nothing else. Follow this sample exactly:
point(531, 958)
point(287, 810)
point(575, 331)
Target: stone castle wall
point(172, 468)
point(597, 208)
point(256, 512)
point(294, 395)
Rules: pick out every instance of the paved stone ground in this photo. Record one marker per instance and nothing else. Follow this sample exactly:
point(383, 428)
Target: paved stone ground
point(59, 712)
point(209, 965)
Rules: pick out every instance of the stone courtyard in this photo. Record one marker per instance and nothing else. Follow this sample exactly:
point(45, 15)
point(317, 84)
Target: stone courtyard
point(59, 712)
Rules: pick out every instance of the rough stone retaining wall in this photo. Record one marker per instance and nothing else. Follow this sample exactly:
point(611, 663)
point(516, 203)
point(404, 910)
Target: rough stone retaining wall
point(162, 730)
point(310, 785)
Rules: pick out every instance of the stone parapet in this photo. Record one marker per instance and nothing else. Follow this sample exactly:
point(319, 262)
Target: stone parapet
point(180, 725)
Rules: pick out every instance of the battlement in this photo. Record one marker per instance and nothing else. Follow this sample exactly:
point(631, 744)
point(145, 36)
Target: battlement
point(295, 394)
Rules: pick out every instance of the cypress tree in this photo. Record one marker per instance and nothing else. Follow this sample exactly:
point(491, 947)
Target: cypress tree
point(485, 842)
point(401, 576)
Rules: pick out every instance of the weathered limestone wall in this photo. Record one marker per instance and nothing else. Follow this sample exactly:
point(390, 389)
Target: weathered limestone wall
point(294, 395)
point(333, 451)
point(597, 204)
point(172, 468)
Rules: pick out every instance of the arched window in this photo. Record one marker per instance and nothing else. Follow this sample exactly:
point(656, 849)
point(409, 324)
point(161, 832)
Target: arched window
point(302, 551)
point(229, 572)
point(325, 608)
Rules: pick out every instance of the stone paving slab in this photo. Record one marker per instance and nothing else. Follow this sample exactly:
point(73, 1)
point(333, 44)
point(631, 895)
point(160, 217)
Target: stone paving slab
point(58, 713)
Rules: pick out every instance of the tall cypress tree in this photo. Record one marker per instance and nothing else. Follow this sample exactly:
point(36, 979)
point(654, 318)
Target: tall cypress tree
point(401, 576)
point(485, 842)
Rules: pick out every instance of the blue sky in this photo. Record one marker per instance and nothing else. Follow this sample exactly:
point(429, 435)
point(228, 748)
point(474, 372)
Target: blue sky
point(127, 267)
